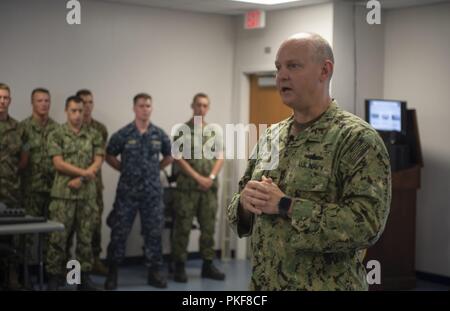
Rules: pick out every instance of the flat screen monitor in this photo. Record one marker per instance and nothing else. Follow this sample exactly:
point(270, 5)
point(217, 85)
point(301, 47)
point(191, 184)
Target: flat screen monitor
point(386, 115)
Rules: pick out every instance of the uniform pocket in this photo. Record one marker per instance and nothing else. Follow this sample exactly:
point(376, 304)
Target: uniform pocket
point(307, 183)
point(69, 150)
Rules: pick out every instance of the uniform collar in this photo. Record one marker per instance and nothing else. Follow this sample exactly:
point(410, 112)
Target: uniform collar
point(132, 128)
point(191, 124)
point(316, 131)
point(67, 129)
point(36, 125)
point(92, 123)
point(10, 123)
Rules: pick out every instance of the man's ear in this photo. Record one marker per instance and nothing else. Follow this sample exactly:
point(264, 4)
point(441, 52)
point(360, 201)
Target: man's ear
point(326, 71)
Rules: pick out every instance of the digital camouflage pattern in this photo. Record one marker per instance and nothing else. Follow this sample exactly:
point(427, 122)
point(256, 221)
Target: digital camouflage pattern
point(200, 163)
point(337, 170)
point(101, 129)
point(202, 205)
point(78, 150)
point(97, 235)
point(121, 219)
point(140, 158)
point(10, 149)
point(37, 178)
point(191, 200)
point(139, 189)
point(39, 174)
point(76, 209)
point(76, 216)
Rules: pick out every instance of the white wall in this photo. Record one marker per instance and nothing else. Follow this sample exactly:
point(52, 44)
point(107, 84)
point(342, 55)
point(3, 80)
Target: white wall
point(417, 49)
point(117, 51)
point(343, 82)
point(250, 57)
point(369, 59)
point(359, 57)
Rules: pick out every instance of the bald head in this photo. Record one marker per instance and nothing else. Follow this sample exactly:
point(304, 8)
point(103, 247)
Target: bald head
point(319, 47)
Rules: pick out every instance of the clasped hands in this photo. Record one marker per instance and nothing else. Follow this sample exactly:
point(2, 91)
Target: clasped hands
point(204, 183)
point(260, 197)
point(88, 173)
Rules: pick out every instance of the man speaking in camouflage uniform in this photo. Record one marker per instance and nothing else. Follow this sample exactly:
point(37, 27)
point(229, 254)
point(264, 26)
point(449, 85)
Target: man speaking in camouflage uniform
point(196, 192)
point(139, 145)
point(77, 155)
point(312, 216)
point(37, 178)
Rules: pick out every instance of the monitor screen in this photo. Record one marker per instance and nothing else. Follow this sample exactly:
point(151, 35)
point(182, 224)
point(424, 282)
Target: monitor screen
point(386, 115)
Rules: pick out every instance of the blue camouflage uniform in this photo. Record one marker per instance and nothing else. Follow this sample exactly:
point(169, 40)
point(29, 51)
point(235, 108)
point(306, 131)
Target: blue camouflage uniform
point(139, 188)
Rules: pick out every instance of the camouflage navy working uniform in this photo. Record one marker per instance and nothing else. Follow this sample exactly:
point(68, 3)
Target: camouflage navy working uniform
point(139, 188)
point(97, 234)
point(337, 172)
point(76, 209)
point(191, 201)
point(10, 149)
point(37, 178)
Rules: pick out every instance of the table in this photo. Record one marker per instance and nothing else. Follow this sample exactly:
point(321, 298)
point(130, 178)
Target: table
point(38, 228)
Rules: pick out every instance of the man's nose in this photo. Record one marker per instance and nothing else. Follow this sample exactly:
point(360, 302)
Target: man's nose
point(282, 74)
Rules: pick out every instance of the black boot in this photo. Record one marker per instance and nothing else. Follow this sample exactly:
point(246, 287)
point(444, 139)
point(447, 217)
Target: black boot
point(52, 283)
point(86, 283)
point(209, 271)
point(180, 273)
point(111, 278)
point(155, 278)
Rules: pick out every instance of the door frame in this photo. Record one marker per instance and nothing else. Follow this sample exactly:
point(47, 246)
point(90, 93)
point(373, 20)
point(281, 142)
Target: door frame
point(241, 114)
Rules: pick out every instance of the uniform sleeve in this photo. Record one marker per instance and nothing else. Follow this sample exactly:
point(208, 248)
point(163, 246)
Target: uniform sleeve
point(166, 147)
point(104, 133)
point(24, 137)
point(98, 143)
point(241, 228)
point(55, 146)
point(358, 219)
point(115, 145)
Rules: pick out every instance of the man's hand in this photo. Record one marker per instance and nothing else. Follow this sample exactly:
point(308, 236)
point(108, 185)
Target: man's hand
point(204, 183)
point(253, 194)
point(274, 193)
point(75, 183)
point(261, 197)
point(90, 173)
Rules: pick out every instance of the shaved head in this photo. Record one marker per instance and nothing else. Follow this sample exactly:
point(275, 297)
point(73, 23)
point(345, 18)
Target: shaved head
point(320, 48)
